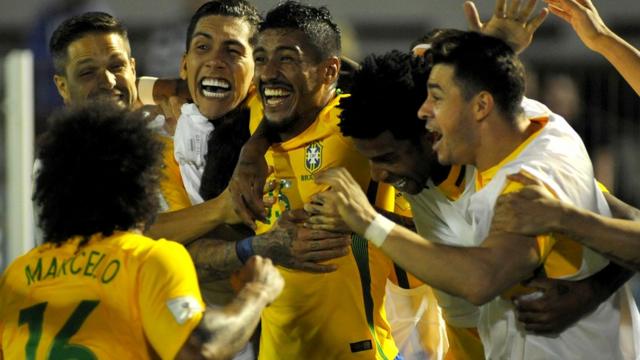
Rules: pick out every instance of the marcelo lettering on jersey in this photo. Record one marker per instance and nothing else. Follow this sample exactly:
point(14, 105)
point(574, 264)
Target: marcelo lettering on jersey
point(82, 264)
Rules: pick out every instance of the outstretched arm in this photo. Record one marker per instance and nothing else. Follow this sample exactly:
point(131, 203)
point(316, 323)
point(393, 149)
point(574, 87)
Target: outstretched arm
point(477, 274)
point(594, 33)
point(190, 223)
point(534, 211)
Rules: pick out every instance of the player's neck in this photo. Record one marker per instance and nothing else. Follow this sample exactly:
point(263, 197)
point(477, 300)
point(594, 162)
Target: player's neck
point(305, 120)
point(499, 138)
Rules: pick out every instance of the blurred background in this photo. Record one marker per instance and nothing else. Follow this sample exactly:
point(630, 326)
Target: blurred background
point(570, 79)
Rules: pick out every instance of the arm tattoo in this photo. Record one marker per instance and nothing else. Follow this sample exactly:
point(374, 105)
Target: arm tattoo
point(277, 245)
point(214, 259)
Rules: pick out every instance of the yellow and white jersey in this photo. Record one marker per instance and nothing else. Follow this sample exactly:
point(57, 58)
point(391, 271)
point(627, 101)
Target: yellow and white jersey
point(120, 297)
point(440, 216)
point(338, 315)
point(556, 156)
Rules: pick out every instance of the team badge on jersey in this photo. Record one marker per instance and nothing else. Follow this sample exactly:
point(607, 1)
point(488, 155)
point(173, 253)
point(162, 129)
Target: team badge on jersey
point(313, 156)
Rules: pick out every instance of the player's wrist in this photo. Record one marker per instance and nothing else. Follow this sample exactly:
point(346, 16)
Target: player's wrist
point(378, 229)
point(255, 291)
point(244, 249)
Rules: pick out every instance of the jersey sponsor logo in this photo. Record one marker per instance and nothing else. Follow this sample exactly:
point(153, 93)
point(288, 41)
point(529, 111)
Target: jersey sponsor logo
point(184, 308)
point(361, 346)
point(313, 156)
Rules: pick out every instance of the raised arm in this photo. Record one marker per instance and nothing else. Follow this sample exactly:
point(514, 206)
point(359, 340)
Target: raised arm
point(510, 22)
point(594, 33)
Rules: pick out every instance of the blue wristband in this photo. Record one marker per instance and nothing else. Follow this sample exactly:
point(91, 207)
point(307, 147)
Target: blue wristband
point(244, 249)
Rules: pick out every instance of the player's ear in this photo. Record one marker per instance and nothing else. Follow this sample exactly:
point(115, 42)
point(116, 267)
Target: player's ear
point(482, 105)
point(331, 70)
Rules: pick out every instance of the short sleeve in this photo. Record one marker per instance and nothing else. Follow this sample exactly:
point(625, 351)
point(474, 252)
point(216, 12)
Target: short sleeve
point(169, 298)
point(546, 241)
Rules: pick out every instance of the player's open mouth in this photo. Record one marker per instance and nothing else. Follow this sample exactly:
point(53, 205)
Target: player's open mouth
point(215, 87)
point(435, 136)
point(275, 95)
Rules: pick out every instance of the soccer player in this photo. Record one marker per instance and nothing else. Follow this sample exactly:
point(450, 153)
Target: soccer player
point(338, 314)
point(218, 68)
point(401, 148)
point(473, 107)
point(98, 288)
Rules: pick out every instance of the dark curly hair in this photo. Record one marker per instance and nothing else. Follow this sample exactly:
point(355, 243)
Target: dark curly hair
point(386, 93)
point(482, 63)
point(315, 22)
point(99, 173)
point(234, 8)
point(78, 26)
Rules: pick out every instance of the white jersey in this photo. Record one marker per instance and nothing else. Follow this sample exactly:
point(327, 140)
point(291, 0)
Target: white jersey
point(443, 221)
point(190, 148)
point(557, 157)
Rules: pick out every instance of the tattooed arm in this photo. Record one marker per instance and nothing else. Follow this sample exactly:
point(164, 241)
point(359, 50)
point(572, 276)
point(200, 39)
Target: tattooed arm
point(288, 244)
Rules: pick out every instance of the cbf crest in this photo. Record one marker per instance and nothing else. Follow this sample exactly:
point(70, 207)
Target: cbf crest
point(313, 156)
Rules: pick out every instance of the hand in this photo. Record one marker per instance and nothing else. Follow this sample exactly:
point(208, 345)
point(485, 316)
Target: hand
point(291, 245)
point(247, 185)
point(171, 108)
point(261, 273)
point(346, 198)
point(324, 216)
point(583, 17)
point(230, 215)
point(510, 22)
point(531, 211)
point(562, 304)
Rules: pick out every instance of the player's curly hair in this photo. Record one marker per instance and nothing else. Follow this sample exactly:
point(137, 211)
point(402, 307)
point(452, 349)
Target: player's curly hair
point(386, 93)
point(315, 22)
point(99, 172)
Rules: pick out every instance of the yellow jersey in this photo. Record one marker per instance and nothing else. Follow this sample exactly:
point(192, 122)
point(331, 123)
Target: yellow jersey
point(338, 315)
point(121, 297)
point(173, 194)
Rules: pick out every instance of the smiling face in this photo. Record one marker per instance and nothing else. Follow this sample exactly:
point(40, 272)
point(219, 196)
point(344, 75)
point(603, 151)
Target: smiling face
point(404, 164)
point(292, 84)
point(218, 66)
point(98, 66)
point(449, 117)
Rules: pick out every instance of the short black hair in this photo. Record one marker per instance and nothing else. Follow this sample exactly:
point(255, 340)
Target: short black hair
point(315, 23)
point(434, 35)
point(483, 63)
point(386, 93)
point(234, 8)
point(78, 26)
point(99, 173)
